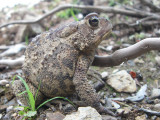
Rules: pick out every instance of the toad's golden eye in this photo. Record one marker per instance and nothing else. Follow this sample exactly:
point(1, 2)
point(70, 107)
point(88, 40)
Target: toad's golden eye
point(93, 21)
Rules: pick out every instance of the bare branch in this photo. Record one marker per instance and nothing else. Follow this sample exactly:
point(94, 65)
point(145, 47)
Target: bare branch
point(128, 53)
point(150, 5)
point(92, 8)
point(13, 63)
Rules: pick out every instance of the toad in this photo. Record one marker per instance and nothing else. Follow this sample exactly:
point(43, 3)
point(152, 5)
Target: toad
point(57, 61)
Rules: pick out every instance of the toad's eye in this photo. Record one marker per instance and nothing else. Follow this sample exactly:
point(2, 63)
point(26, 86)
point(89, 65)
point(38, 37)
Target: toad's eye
point(93, 21)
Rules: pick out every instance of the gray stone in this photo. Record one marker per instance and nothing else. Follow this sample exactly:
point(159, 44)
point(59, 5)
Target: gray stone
point(122, 82)
point(157, 107)
point(2, 91)
point(84, 113)
point(3, 82)
point(107, 117)
point(104, 75)
point(54, 116)
point(155, 93)
point(157, 58)
point(9, 108)
point(142, 117)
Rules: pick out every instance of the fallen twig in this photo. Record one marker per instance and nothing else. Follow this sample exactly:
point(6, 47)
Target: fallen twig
point(140, 95)
point(14, 49)
point(128, 53)
point(151, 5)
point(91, 8)
point(150, 112)
point(13, 63)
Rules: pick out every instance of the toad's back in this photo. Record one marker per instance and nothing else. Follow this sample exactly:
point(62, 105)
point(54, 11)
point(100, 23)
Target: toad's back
point(50, 62)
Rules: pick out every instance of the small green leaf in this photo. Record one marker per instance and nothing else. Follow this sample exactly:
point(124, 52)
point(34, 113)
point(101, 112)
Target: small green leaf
point(20, 108)
point(21, 113)
point(30, 113)
point(73, 15)
point(21, 93)
point(27, 108)
point(30, 95)
point(54, 99)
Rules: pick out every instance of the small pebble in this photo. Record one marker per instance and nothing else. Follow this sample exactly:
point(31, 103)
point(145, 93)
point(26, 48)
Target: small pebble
point(157, 107)
point(14, 115)
point(3, 82)
point(155, 93)
point(154, 117)
point(18, 108)
point(0, 116)
point(104, 75)
point(7, 85)
point(68, 108)
point(114, 94)
point(9, 108)
point(157, 58)
point(120, 111)
point(156, 101)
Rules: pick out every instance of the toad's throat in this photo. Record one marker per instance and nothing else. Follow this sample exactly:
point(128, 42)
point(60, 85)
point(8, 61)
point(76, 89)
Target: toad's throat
point(105, 35)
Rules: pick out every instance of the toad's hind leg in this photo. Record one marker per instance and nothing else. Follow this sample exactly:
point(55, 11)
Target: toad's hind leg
point(23, 99)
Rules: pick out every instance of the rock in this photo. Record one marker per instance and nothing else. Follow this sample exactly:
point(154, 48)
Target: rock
point(142, 117)
point(3, 82)
point(84, 113)
point(109, 48)
point(115, 105)
point(7, 85)
point(122, 82)
point(6, 98)
point(18, 108)
point(98, 85)
point(114, 94)
point(140, 95)
point(0, 116)
point(9, 116)
point(2, 91)
point(68, 108)
point(120, 111)
point(156, 101)
point(9, 108)
point(138, 61)
point(157, 58)
point(107, 117)
point(155, 93)
point(36, 28)
point(157, 107)
point(21, 33)
point(3, 108)
point(154, 118)
point(14, 115)
point(127, 110)
point(54, 116)
point(104, 75)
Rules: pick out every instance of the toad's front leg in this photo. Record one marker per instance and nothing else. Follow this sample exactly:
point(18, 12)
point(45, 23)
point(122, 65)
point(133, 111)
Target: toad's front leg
point(83, 88)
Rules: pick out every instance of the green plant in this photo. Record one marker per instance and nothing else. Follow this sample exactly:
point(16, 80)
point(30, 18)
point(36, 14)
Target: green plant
point(26, 39)
point(30, 111)
point(67, 13)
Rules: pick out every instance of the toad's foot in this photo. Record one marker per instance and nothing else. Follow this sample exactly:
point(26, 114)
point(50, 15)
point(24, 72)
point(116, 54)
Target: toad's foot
point(102, 109)
point(22, 99)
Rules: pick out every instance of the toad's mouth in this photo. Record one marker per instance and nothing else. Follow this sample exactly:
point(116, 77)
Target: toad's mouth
point(105, 35)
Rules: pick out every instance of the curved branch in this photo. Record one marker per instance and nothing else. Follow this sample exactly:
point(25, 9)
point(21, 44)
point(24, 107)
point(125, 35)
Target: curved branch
point(128, 53)
point(150, 5)
point(92, 8)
